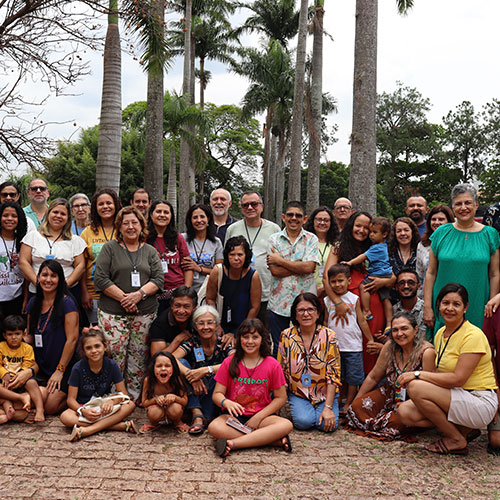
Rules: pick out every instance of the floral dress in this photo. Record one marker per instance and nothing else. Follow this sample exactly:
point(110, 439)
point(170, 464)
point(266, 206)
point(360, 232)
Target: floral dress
point(374, 414)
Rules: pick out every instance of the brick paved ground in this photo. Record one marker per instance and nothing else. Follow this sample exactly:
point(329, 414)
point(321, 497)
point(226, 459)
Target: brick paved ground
point(39, 462)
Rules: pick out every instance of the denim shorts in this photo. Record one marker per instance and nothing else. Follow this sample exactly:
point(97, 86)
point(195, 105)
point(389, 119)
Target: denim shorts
point(352, 370)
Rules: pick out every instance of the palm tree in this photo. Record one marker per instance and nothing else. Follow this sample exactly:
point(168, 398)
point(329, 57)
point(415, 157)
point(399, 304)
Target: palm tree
point(363, 173)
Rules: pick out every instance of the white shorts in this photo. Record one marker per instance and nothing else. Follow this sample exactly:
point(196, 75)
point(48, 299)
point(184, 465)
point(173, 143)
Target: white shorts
point(473, 409)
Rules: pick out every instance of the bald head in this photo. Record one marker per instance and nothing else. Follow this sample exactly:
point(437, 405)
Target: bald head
point(342, 209)
point(220, 201)
point(416, 209)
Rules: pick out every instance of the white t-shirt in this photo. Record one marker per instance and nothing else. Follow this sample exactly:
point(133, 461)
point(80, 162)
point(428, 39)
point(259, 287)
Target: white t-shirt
point(11, 278)
point(64, 252)
point(350, 336)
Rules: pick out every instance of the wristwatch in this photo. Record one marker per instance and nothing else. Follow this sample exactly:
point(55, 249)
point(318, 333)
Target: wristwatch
point(417, 374)
point(210, 370)
point(143, 293)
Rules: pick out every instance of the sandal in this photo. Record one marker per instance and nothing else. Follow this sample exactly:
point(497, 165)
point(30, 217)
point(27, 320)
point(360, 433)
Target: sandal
point(369, 317)
point(286, 444)
point(182, 428)
point(222, 447)
point(29, 418)
point(441, 449)
point(130, 427)
point(148, 428)
point(197, 429)
point(76, 434)
point(493, 450)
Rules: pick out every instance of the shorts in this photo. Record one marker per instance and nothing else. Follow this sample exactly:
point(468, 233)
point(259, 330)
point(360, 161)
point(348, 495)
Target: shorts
point(495, 427)
point(473, 409)
point(384, 293)
point(351, 369)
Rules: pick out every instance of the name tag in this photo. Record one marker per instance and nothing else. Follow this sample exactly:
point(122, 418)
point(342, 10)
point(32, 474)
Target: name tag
point(199, 354)
point(306, 380)
point(135, 279)
point(12, 278)
point(50, 257)
point(402, 393)
point(38, 340)
point(164, 266)
point(321, 271)
point(229, 316)
point(196, 275)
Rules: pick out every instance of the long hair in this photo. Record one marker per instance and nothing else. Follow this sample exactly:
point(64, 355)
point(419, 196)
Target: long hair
point(249, 325)
point(175, 381)
point(61, 292)
point(170, 234)
point(333, 233)
point(393, 244)
point(95, 218)
point(444, 209)
point(22, 223)
point(349, 248)
point(418, 341)
point(44, 228)
point(89, 333)
point(211, 229)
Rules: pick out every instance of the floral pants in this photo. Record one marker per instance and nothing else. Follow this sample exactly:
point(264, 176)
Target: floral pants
point(127, 338)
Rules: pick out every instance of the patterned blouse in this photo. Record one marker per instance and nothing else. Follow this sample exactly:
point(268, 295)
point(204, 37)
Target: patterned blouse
point(322, 362)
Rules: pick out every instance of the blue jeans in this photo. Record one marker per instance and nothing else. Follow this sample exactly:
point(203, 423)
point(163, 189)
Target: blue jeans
point(277, 324)
point(202, 401)
point(306, 416)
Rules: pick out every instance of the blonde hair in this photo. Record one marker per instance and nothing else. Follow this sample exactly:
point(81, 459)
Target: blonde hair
point(44, 229)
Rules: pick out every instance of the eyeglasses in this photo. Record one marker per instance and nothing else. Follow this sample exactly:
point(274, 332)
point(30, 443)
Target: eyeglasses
point(253, 204)
point(407, 282)
point(42, 189)
point(210, 322)
point(342, 207)
point(81, 206)
point(321, 220)
point(9, 195)
point(291, 215)
point(308, 310)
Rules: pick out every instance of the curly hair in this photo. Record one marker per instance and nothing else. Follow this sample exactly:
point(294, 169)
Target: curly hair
point(349, 248)
point(393, 244)
point(333, 232)
point(129, 210)
point(170, 235)
point(22, 223)
point(95, 218)
point(211, 229)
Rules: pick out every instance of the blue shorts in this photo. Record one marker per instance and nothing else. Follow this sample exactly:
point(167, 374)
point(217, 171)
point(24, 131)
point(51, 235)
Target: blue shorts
point(351, 369)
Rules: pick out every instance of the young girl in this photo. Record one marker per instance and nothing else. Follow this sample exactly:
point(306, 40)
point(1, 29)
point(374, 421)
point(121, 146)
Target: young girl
point(93, 377)
point(244, 384)
point(164, 395)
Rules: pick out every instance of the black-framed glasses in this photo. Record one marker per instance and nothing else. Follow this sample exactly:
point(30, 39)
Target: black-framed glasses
point(42, 189)
point(9, 195)
point(406, 282)
point(253, 204)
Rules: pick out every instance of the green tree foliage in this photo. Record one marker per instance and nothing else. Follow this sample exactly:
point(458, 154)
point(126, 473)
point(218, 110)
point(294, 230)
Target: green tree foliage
point(490, 178)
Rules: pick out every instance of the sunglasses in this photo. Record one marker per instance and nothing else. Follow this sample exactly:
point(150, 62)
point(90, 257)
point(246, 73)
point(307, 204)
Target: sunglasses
point(9, 195)
point(42, 189)
point(253, 204)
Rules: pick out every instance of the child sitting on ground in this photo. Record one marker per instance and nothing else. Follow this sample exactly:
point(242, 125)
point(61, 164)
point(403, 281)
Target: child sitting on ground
point(164, 395)
point(379, 267)
point(349, 334)
point(15, 357)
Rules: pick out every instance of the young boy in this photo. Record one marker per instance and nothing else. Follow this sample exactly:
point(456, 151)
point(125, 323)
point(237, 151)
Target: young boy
point(349, 336)
point(16, 356)
point(379, 267)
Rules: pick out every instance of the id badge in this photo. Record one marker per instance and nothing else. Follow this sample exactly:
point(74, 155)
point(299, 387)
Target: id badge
point(12, 278)
point(229, 315)
point(403, 393)
point(196, 275)
point(135, 279)
point(306, 380)
point(164, 266)
point(38, 340)
point(321, 271)
point(199, 354)
point(252, 262)
point(50, 257)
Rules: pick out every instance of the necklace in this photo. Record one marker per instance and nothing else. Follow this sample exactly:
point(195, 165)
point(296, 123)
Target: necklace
point(251, 370)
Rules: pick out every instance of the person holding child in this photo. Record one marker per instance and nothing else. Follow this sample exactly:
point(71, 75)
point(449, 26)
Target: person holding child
point(309, 356)
point(349, 334)
point(17, 360)
point(245, 382)
point(164, 394)
point(91, 407)
point(378, 259)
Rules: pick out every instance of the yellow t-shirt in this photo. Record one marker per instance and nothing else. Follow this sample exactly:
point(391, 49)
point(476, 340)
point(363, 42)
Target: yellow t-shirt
point(15, 360)
point(468, 339)
point(95, 242)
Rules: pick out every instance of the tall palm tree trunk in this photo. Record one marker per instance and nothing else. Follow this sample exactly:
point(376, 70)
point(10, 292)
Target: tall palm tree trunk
point(273, 154)
point(110, 123)
point(172, 179)
point(316, 94)
point(280, 175)
point(363, 175)
point(268, 203)
point(298, 107)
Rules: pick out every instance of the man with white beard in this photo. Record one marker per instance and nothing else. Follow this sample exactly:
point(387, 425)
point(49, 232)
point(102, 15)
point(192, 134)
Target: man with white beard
point(220, 201)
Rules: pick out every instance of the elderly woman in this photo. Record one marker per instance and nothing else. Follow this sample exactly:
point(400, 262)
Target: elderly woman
point(80, 209)
point(374, 411)
point(240, 285)
point(129, 274)
point(460, 396)
point(437, 216)
point(309, 356)
point(465, 251)
point(200, 358)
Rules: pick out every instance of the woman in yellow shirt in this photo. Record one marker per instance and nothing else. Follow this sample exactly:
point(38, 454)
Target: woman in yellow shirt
point(461, 394)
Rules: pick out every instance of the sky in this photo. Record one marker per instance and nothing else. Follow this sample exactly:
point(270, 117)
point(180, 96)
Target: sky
point(446, 49)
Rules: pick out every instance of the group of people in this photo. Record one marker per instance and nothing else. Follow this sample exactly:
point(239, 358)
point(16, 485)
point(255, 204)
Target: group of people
point(340, 314)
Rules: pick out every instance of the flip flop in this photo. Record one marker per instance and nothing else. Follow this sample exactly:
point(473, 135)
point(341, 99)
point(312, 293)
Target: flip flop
point(181, 428)
point(286, 444)
point(76, 434)
point(441, 449)
point(474, 434)
point(131, 427)
point(29, 418)
point(221, 447)
point(148, 428)
point(196, 429)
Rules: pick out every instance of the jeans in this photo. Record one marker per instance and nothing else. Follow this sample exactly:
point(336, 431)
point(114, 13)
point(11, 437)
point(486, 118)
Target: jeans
point(306, 416)
point(202, 401)
point(277, 324)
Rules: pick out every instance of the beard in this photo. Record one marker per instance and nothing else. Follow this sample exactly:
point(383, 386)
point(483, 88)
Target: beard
point(219, 211)
point(417, 216)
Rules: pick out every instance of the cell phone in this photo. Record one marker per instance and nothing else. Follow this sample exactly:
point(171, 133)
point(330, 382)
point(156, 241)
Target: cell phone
point(236, 424)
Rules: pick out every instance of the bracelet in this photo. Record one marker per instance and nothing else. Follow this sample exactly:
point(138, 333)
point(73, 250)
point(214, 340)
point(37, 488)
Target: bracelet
point(222, 403)
point(330, 407)
point(337, 304)
point(32, 372)
point(61, 367)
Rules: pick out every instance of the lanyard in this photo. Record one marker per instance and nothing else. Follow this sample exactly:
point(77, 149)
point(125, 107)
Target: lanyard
point(322, 253)
point(9, 255)
point(404, 367)
point(53, 243)
point(308, 351)
point(162, 255)
point(133, 262)
point(441, 352)
point(250, 241)
point(104, 232)
point(49, 314)
point(198, 255)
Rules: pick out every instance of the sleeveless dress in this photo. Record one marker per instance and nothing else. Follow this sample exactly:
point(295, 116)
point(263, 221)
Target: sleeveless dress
point(374, 414)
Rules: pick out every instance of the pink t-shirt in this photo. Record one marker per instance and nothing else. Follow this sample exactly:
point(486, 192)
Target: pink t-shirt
point(253, 387)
